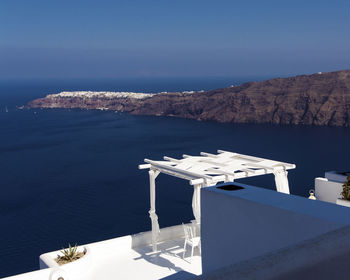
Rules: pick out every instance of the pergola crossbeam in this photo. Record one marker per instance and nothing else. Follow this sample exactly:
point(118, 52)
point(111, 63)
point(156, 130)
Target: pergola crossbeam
point(176, 170)
point(174, 174)
point(144, 166)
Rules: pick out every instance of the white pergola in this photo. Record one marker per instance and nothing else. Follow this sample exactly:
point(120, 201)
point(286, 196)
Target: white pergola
point(207, 170)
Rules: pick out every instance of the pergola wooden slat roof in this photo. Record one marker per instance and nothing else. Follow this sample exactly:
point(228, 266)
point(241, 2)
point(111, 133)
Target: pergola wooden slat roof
point(209, 169)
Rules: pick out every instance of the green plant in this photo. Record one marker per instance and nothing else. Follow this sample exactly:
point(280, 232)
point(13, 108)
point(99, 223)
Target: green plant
point(68, 255)
point(346, 189)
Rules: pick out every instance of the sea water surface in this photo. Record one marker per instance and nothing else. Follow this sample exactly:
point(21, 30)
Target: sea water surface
point(71, 176)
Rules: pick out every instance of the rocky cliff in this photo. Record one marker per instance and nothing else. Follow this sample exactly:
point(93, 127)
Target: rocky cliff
point(318, 99)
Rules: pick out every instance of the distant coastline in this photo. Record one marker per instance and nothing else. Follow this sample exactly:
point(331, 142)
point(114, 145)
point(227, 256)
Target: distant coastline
point(100, 94)
point(318, 99)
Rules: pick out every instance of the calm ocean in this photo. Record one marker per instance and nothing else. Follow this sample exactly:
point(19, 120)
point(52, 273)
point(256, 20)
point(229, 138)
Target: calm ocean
point(72, 177)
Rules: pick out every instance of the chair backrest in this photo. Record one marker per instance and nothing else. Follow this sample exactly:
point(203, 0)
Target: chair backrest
point(188, 231)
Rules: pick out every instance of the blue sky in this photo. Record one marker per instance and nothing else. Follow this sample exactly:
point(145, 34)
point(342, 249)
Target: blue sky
point(111, 39)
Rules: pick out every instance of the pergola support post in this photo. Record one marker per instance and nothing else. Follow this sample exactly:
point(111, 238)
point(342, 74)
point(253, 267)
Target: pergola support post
point(152, 212)
point(281, 180)
point(196, 202)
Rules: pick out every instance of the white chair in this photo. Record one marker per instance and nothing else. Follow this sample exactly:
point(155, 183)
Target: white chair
point(191, 240)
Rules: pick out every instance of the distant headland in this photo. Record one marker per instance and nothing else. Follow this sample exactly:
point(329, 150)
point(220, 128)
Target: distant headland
point(317, 99)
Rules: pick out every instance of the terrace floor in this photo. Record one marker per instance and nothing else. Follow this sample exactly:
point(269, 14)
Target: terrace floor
point(142, 263)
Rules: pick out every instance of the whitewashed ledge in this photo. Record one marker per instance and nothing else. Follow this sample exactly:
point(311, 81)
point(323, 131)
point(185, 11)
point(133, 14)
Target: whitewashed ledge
point(101, 94)
point(126, 257)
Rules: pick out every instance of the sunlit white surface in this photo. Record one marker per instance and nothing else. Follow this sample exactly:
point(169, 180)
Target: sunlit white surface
point(142, 263)
point(131, 257)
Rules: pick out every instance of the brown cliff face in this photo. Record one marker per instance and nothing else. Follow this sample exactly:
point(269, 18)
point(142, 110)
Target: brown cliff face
point(318, 99)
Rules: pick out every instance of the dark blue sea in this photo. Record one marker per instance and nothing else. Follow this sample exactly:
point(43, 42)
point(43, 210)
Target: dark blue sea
point(71, 176)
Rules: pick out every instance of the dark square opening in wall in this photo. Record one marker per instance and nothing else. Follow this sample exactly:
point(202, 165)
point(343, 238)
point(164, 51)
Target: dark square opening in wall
point(230, 187)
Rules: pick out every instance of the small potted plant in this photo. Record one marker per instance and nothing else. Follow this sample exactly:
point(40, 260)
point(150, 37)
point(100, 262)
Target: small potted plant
point(70, 254)
point(345, 194)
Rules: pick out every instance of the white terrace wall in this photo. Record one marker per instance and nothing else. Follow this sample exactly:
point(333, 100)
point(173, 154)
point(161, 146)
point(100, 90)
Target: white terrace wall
point(323, 257)
point(326, 190)
point(83, 268)
point(111, 246)
point(244, 224)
